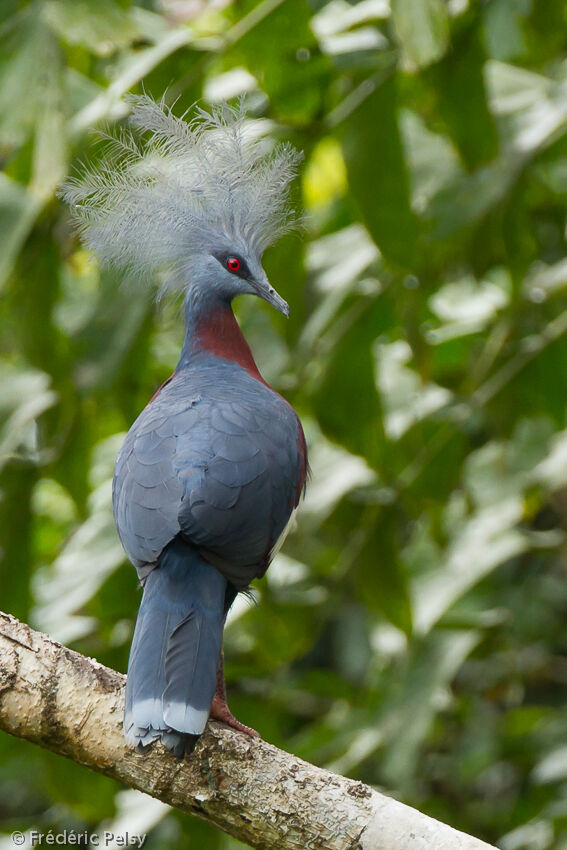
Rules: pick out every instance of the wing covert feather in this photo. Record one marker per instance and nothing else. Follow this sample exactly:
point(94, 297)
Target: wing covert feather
point(224, 473)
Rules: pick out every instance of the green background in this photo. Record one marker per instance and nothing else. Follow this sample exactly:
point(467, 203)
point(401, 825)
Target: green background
point(413, 633)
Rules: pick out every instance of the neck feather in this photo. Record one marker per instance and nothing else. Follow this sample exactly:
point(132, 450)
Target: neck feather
point(217, 332)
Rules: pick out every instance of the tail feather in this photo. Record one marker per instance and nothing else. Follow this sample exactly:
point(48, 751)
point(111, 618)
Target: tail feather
point(175, 651)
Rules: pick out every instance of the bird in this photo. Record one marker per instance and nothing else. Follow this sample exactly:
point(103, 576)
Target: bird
point(210, 474)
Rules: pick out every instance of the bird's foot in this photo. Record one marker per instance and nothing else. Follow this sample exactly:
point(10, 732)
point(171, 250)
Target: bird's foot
point(220, 711)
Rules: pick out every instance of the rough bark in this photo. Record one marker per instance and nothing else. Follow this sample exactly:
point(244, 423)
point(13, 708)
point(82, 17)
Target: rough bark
point(268, 798)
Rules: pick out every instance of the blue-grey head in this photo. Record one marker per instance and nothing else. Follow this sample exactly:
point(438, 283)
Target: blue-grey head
point(192, 203)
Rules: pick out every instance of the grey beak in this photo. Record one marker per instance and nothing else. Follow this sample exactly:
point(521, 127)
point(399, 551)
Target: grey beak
point(266, 291)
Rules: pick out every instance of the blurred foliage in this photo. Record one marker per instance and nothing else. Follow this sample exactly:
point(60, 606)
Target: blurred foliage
point(413, 633)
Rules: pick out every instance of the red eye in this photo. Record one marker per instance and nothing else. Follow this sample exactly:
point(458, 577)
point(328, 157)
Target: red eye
point(233, 264)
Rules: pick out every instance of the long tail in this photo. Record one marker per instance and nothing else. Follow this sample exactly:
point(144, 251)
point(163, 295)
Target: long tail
point(175, 651)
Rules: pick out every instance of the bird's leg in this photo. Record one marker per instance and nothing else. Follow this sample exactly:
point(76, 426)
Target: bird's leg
point(219, 708)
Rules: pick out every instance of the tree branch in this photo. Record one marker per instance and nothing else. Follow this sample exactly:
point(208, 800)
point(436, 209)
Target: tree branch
point(73, 705)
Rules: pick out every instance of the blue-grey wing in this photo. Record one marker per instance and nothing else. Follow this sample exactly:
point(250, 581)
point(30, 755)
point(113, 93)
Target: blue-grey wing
point(147, 492)
point(224, 474)
point(237, 503)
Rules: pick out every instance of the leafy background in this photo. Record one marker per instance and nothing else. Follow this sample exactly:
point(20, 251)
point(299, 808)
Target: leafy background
point(412, 634)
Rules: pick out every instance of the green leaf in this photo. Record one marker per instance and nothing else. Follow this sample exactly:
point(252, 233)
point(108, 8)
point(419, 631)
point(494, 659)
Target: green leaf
point(276, 43)
point(89, 556)
point(379, 572)
point(49, 162)
point(101, 27)
point(18, 211)
point(25, 44)
point(25, 396)
point(406, 399)
point(466, 200)
point(414, 702)
point(347, 392)
point(503, 25)
point(487, 540)
point(432, 161)
point(378, 173)
point(134, 67)
point(423, 30)
point(458, 82)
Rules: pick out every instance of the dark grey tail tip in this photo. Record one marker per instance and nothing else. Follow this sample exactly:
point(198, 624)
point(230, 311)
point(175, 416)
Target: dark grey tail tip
point(179, 745)
point(182, 746)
